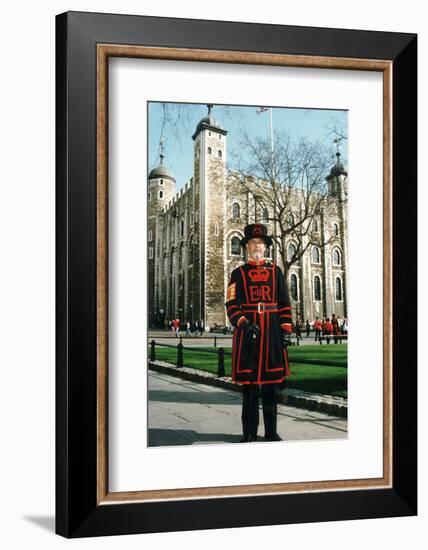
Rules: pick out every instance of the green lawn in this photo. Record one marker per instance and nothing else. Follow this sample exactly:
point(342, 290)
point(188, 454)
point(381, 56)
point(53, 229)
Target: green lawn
point(306, 377)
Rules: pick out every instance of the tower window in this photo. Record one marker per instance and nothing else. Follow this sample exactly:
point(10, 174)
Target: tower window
point(235, 247)
point(150, 235)
point(335, 230)
point(216, 229)
point(209, 150)
point(336, 257)
point(151, 253)
point(150, 196)
point(317, 289)
point(236, 211)
point(265, 214)
point(219, 153)
point(161, 194)
point(293, 286)
point(181, 228)
point(161, 182)
point(315, 255)
point(315, 225)
point(338, 289)
point(291, 251)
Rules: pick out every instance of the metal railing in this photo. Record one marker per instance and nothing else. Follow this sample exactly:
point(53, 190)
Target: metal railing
point(220, 352)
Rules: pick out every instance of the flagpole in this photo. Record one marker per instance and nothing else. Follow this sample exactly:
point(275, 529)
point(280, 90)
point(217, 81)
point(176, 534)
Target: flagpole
point(271, 130)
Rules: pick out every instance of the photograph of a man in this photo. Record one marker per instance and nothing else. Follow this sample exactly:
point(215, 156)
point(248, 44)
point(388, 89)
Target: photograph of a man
point(258, 307)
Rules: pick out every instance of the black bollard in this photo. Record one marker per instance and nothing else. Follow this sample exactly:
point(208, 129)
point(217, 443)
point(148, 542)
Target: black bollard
point(152, 350)
point(179, 355)
point(220, 372)
point(215, 341)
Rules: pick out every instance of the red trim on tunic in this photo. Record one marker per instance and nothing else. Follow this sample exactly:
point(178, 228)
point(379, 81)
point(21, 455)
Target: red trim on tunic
point(240, 320)
point(262, 333)
point(287, 368)
point(238, 369)
point(234, 314)
point(274, 281)
point(245, 283)
point(231, 307)
point(254, 262)
point(264, 382)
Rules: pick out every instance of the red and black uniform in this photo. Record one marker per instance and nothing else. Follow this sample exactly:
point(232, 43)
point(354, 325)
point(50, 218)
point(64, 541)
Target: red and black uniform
point(257, 293)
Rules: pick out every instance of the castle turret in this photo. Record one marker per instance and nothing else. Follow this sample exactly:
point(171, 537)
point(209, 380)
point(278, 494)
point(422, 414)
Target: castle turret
point(161, 189)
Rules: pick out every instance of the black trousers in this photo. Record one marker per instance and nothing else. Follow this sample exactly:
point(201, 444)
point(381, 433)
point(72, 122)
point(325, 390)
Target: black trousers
point(250, 408)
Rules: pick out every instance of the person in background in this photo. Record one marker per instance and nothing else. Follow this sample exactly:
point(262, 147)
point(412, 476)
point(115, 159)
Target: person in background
point(317, 329)
point(335, 327)
point(327, 330)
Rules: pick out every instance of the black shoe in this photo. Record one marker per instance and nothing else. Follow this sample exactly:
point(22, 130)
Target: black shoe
point(248, 438)
point(273, 437)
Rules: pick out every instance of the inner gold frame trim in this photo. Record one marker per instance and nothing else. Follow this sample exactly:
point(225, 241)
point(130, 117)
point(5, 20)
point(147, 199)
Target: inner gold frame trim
point(104, 51)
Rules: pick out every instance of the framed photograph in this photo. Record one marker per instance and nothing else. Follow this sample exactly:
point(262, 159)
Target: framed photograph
point(236, 221)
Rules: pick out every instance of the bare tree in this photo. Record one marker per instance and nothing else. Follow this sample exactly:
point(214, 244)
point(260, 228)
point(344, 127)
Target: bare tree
point(289, 187)
point(178, 120)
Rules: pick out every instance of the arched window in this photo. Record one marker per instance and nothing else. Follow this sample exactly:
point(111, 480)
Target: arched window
point(161, 194)
point(181, 228)
point(338, 289)
point(290, 219)
point(293, 287)
point(180, 257)
point(236, 211)
point(291, 250)
point(209, 150)
point(265, 214)
point(336, 257)
point(235, 246)
point(150, 235)
point(190, 251)
point(172, 265)
point(317, 288)
point(315, 225)
point(161, 182)
point(335, 230)
point(220, 153)
point(315, 255)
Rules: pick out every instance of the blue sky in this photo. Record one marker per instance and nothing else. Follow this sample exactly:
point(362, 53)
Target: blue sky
point(312, 124)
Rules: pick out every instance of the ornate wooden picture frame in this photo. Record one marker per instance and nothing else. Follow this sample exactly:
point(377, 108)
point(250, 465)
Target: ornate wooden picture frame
point(84, 505)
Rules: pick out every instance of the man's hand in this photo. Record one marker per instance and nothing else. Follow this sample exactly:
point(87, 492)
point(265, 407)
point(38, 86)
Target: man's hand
point(287, 339)
point(252, 330)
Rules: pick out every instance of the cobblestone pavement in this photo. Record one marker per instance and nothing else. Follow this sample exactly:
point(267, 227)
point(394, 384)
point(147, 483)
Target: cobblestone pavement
point(182, 412)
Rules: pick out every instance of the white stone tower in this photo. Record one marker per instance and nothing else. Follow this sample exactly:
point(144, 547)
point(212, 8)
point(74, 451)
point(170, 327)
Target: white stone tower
point(210, 194)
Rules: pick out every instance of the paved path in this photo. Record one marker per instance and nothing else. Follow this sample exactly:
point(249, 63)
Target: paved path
point(187, 413)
